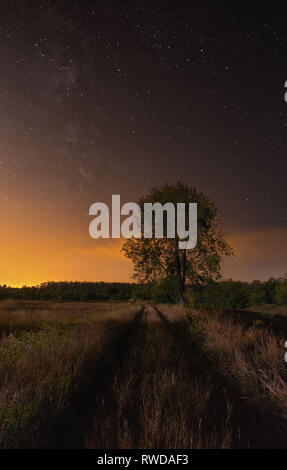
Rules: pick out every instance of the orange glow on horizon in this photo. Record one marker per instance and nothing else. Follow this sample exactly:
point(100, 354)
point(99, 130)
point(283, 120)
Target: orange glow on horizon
point(37, 248)
point(36, 265)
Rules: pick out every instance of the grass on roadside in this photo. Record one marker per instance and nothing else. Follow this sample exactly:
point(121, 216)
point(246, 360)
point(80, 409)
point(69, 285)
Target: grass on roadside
point(41, 368)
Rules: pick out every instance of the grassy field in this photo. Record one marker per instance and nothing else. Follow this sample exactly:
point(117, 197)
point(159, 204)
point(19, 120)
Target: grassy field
point(122, 375)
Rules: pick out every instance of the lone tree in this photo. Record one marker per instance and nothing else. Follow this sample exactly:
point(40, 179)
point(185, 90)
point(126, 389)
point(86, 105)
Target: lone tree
point(160, 259)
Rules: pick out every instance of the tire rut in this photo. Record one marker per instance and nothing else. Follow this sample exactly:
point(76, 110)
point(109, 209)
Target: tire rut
point(77, 422)
point(251, 427)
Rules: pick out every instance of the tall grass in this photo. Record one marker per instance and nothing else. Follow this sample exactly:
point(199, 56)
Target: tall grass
point(159, 401)
point(171, 378)
point(40, 369)
point(17, 315)
point(253, 359)
point(248, 364)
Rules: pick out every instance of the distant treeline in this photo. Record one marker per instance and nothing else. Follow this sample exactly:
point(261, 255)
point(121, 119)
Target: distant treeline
point(65, 291)
point(238, 295)
point(213, 295)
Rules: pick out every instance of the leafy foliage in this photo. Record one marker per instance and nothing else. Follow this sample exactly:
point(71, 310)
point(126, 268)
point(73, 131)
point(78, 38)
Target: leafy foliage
point(156, 259)
point(66, 291)
point(238, 295)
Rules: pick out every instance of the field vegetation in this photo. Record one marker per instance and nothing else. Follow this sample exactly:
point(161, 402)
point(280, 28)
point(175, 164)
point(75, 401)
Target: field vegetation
point(134, 375)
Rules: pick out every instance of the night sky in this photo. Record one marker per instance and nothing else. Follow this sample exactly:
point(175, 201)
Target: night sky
point(115, 97)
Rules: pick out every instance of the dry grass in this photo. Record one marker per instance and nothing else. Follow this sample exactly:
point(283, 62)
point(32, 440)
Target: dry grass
point(18, 315)
point(40, 369)
point(172, 379)
point(159, 402)
point(172, 312)
point(252, 359)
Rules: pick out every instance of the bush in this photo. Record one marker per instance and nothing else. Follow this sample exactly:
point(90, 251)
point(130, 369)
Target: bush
point(165, 291)
point(281, 294)
point(220, 295)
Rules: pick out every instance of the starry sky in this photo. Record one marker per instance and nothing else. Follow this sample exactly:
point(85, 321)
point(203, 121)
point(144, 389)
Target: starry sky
point(102, 98)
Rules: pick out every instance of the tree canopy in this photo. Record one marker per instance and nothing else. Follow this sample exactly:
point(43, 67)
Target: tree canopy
point(159, 259)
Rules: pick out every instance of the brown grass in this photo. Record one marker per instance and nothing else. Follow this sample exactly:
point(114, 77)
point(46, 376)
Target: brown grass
point(171, 378)
point(252, 359)
point(39, 370)
point(157, 401)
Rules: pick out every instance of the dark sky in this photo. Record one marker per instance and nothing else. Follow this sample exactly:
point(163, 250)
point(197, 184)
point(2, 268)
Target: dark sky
point(107, 97)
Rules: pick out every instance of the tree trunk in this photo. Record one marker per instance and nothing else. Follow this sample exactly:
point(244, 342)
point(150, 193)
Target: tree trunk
point(180, 272)
point(181, 300)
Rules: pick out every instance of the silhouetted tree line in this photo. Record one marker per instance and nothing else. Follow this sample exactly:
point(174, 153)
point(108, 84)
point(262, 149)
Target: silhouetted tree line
point(71, 291)
point(212, 295)
point(237, 295)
